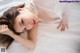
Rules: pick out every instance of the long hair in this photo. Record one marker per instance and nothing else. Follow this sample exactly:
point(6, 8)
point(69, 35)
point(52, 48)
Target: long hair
point(8, 18)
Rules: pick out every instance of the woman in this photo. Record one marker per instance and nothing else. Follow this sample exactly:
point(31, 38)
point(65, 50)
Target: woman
point(15, 19)
point(21, 19)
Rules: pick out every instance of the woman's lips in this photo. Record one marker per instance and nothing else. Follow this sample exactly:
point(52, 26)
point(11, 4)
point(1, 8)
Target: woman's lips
point(35, 21)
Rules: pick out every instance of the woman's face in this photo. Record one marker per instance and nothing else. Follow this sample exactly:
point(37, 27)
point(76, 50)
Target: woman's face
point(25, 20)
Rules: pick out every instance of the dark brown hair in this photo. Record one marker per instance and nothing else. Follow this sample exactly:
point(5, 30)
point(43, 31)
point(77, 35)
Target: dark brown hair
point(8, 18)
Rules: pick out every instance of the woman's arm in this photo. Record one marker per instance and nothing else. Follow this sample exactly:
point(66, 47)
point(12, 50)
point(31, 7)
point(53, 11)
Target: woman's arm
point(32, 38)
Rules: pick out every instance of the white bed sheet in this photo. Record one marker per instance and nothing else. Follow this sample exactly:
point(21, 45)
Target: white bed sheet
point(50, 39)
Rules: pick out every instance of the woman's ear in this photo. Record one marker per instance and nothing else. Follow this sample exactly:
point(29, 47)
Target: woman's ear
point(20, 10)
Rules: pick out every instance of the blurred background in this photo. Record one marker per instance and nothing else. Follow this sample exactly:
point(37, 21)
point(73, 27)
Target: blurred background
point(51, 40)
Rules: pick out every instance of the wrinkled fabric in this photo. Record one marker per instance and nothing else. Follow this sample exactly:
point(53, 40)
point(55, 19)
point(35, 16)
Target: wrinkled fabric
point(50, 39)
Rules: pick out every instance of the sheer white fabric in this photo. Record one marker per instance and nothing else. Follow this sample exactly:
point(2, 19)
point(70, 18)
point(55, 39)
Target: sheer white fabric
point(50, 39)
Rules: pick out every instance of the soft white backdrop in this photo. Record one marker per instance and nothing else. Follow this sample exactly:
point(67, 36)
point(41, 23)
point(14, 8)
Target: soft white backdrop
point(50, 39)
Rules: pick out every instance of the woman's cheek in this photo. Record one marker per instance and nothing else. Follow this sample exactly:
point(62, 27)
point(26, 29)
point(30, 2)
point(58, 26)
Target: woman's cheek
point(29, 26)
point(18, 30)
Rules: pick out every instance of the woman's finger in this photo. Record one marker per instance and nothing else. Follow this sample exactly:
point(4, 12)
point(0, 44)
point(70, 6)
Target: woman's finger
point(63, 27)
point(3, 28)
point(59, 26)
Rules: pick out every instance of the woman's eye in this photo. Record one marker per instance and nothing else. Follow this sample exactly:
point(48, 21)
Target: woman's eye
point(22, 21)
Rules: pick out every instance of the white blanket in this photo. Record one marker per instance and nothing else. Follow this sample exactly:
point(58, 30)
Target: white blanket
point(50, 39)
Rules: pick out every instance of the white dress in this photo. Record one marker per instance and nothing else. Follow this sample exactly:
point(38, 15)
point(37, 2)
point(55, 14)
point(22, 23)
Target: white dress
point(50, 39)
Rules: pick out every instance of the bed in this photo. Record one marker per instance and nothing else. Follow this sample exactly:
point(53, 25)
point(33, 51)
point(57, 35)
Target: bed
point(51, 39)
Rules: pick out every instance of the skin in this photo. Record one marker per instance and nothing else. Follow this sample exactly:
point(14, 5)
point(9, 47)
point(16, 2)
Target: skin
point(63, 25)
point(25, 19)
point(31, 24)
point(29, 21)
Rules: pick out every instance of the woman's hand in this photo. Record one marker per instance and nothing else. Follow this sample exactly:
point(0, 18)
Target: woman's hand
point(63, 24)
point(3, 28)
